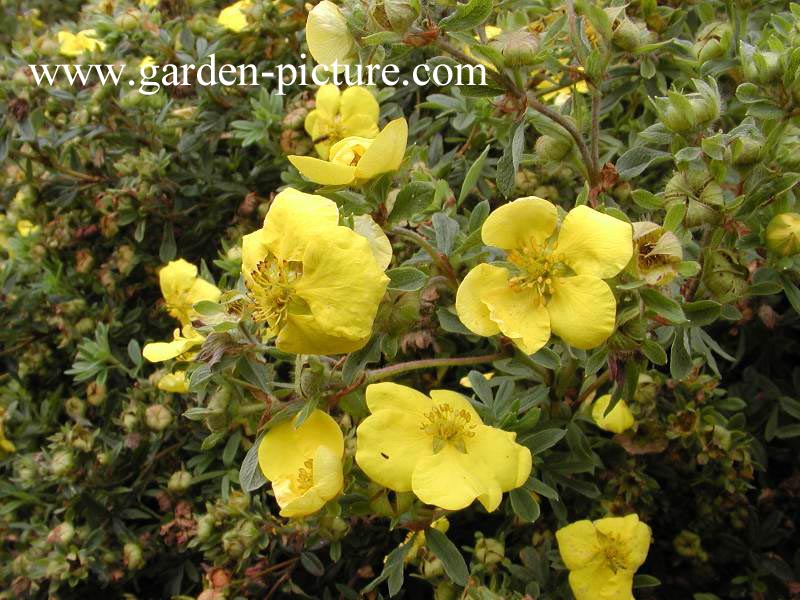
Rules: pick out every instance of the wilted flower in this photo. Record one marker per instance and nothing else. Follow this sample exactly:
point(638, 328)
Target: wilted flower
point(314, 284)
point(357, 159)
point(783, 234)
point(327, 35)
point(438, 447)
point(303, 463)
point(602, 556)
point(339, 115)
point(234, 17)
point(550, 285)
point(657, 253)
point(618, 420)
point(76, 44)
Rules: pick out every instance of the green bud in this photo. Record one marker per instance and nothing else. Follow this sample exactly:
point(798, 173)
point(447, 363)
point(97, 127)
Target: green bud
point(687, 112)
point(746, 150)
point(432, 567)
point(446, 591)
point(62, 463)
point(132, 556)
point(179, 482)
point(75, 408)
point(158, 417)
point(701, 194)
point(628, 35)
point(393, 15)
point(713, 41)
point(205, 527)
point(61, 534)
point(517, 47)
point(724, 275)
point(759, 66)
point(783, 234)
point(489, 551)
point(96, 393)
point(553, 149)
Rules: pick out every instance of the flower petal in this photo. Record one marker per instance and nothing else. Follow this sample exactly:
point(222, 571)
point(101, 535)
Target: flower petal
point(323, 172)
point(293, 220)
point(471, 309)
point(360, 126)
point(327, 34)
point(594, 243)
point(342, 283)
point(582, 310)
point(389, 444)
point(387, 395)
point(386, 152)
point(520, 315)
point(329, 100)
point(381, 247)
point(632, 534)
point(303, 334)
point(510, 462)
point(598, 582)
point(578, 544)
point(517, 223)
point(453, 480)
point(182, 343)
point(358, 100)
point(284, 449)
point(618, 420)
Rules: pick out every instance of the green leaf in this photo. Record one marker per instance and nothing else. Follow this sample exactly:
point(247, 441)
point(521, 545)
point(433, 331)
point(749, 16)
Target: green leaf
point(654, 352)
point(411, 201)
point(637, 159)
point(312, 564)
point(356, 361)
point(467, 16)
point(250, 476)
point(674, 216)
point(446, 230)
point(452, 560)
point(702, 312)
point(764, 288)
point(525, 507)
point(168, 249)
point(508, 165)
point(542, 440)
point(471, 178)
point(680, 361)
point(406, 279)
point(450, 322)
point(792, 292)
point(662, 306)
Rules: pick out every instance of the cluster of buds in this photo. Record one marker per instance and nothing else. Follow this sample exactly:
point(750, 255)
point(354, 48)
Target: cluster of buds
point(699, 192)
point(687, 112)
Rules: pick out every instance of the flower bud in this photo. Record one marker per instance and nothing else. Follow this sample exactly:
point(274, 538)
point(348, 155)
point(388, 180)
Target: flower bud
point(158, 417)
point(657, 253)
point(205, 527)
point(489, 551)
point(62, 463)
point(783, 234)
point(179, 482)
point(713, 41)
point(446, 591)
point(628, 35)
point(432, 567)
point(759, 66)
point(746, 150)
point(517, 47)
point(551, 148)
point(682, 113)
point(701, 194)
point(724, 275)
point(394, 15)
point(132, 556)
point(239, 539)
point(61, 534)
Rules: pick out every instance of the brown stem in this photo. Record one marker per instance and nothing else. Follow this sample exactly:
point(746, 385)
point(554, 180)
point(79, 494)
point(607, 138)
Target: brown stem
point(601, 380)
point(430, 363)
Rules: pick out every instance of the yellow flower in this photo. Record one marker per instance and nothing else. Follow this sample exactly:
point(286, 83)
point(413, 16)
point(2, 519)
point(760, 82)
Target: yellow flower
point(327, 35)
point(147, 61)
point(6, 445)
point(76, 44)
point(783, 234)
point(357, 159)
point(183, 341)
point(437, 447)
point(303, 463)
point(174, 383)
point(234, 17)
point(315, 284)
point(338, 115)
point(602, 556)
point(549, 285)
point(617, 421)
point(182, 288)
point(25, 228)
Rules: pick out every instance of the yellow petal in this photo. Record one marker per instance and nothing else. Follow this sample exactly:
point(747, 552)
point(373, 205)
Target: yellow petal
point(381, 247)
point(323, 172)
point(293, 220)
point(327, 34)
point(582, 310)
point(233, 17)
point(509, 461)
point(465, 382)
point(284, 449)
point(471, 309)
point(174, 383)
point(303, 334)
point(453, 480)
point(617, 421)
point(516, 224)
point(360, 126)
point(520, 315)
point(387, 395)
point(578, 544)
point(182, 343)
point(633, 535)
point(341, 283)
point(595, 244)
point(328, 481)
point(389, 444)
point(386, 152)
point(598, 582)
point(328, 100)
point(359, 101)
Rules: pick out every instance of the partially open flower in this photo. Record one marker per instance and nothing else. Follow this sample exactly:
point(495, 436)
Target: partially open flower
point(783, 234)
point(174, 383)
point(339, 115)
point(328, 36)
point(303, 463)
point(657, 253)
point(438, 447)
point(602, 556)
point(357, 159)
point(75, 44)
point(618, 420)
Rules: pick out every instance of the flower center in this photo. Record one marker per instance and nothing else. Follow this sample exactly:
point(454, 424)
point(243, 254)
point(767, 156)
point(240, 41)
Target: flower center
point(305, 476)
point(613, 552)
point(271, 288)
point(447, 425)
point(538, 264)
point(349, 151)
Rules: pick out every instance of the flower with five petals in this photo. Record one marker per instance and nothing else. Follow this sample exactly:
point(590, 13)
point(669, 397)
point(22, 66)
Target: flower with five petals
point(549, 284)
point(438, 447)
point(338, 115)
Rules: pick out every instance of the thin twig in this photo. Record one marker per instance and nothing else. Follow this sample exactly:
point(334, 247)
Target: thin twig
point(430, 363)
point(439, 259)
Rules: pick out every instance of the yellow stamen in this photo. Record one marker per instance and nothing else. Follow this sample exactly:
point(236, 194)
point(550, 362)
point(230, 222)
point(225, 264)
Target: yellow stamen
point(271, 288)
point(448, 426)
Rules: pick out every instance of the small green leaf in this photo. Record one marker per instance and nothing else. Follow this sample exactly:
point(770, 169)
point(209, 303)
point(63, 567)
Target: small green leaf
point(406, 279)
point(662, 306)
point(467, 16)
point(525, 507)
point(452, 560)
point(471, 178)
